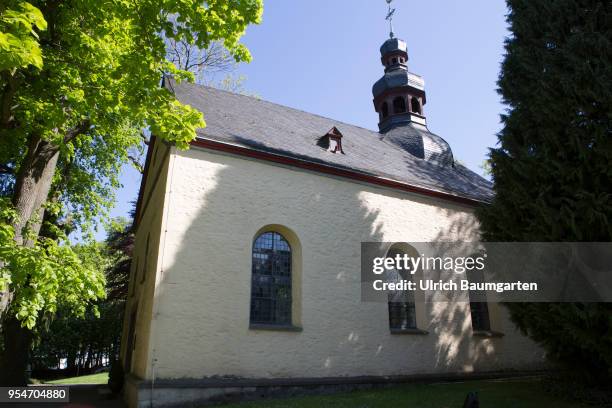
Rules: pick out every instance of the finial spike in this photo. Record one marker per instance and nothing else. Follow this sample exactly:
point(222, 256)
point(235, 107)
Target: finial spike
point(389, 17)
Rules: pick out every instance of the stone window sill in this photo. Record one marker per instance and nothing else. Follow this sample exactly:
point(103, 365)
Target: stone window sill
point(274, 327)
point(487, 333)
point(409, 331)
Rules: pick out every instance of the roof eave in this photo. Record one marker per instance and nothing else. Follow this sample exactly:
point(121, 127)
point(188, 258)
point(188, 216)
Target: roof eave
point(339, 171)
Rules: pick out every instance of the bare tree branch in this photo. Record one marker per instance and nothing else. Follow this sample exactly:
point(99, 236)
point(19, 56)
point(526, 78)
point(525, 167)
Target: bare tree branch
point(203, 62)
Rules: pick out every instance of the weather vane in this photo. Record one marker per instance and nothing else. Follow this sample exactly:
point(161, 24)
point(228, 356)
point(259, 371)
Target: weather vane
point(390, 17)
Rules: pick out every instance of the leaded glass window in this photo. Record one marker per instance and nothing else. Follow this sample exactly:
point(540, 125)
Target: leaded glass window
point(479, 309)
point(480, 316)
point(402, 313)
point(271, 280)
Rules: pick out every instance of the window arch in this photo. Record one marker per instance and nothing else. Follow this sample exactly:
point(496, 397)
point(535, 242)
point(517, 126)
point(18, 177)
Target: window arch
point(399, 105)
point(416, 105)
point(384, 109)
point(402, 311)
point(479, 308)
point(271, 292)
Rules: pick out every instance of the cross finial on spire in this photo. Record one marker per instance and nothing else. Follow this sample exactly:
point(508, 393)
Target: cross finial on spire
point(390, 18)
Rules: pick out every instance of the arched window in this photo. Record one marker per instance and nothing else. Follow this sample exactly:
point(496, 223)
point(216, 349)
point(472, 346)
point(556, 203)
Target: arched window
point(416, 105)
point(479, 309)
point(271, 280)
point(402, 313)
point(385, 109)
point(399, 105)
point(480, 316)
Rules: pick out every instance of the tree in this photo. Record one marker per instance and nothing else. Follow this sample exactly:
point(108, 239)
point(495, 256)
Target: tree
point(201, 62)
point(552, 173)
point(206, 64)
point(78, 83)
point(89, 341)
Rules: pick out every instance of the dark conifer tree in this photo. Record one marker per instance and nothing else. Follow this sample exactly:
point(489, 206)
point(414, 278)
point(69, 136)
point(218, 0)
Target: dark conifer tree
point(553, 165)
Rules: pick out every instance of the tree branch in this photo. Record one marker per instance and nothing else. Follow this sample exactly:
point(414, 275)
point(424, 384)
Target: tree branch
point(145, 140)
point(6, 169)
point(136, 163)
point(77, 130)
point(7, 97)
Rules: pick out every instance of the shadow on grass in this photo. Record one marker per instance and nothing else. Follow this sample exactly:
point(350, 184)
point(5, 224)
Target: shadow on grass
point(510, 393)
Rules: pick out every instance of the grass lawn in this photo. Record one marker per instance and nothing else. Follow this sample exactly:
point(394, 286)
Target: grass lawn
point(100, 378)
point(516, 393)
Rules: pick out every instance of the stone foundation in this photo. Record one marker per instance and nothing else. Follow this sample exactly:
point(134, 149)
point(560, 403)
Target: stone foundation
point(205, 392)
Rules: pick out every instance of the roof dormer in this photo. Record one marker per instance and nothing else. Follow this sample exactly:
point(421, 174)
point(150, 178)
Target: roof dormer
point(331, 141)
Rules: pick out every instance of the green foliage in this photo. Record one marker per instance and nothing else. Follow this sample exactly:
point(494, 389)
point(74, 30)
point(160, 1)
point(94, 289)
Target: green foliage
point(74, 337)
point(47, 274)
point(552, 168)
point(18, 38)
point(100, 72)
point(84, 76)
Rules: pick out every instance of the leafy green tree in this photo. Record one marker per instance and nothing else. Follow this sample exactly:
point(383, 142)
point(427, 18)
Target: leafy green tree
point(88, 341)
point(75, 336)
point(79, 80)
point(552, 169)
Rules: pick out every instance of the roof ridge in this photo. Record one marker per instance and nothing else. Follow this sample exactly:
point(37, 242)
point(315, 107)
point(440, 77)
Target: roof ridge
point(202, 86)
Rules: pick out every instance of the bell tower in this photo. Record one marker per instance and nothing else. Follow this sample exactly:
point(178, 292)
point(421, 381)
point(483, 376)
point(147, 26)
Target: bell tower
point(399, 96)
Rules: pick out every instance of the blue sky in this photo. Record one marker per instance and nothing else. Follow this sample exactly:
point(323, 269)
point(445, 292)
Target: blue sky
point(322, 56)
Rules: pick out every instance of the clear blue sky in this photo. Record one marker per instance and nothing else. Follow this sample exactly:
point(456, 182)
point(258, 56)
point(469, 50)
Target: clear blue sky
point(321, 56)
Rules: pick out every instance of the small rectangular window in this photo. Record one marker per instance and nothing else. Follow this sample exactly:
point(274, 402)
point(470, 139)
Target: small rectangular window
point(402, 316)
point(479, 309)
point(480, 316)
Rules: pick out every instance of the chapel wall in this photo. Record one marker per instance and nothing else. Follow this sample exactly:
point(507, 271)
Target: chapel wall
point(144, 268)
point(216, 205)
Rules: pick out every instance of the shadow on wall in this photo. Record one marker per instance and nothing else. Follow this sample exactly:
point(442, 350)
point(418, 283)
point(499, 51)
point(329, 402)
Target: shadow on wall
point(456, 346)
point(201, 314)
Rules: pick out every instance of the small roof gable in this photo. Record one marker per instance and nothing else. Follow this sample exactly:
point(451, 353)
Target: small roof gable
point(260, 125)
point(334, 132)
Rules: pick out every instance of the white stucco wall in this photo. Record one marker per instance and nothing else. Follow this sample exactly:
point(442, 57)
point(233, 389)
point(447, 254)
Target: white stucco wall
point(214, 206)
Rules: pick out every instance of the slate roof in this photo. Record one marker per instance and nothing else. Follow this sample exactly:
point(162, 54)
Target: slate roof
point(269, 127)
point(420, 142)
point(396, 78)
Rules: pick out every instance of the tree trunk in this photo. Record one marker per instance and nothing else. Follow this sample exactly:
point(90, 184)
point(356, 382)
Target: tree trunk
point(14, 361)
point(71, 360)
point(32, 186)
point(31, 189)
